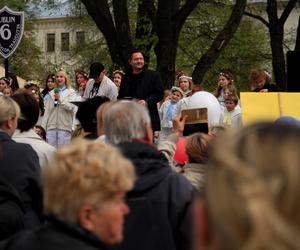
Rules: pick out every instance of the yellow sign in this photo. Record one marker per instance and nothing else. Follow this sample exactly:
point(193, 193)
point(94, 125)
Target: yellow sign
point(269, 106)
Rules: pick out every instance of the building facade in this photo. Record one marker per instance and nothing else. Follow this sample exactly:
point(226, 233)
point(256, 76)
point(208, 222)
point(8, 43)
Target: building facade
point(57, 38)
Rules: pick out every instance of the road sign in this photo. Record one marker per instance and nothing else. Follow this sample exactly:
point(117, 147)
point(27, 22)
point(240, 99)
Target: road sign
point(11, 30)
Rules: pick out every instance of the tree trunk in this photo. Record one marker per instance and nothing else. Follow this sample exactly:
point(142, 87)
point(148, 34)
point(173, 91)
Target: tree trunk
point(166, 47)
point(116, 32)
point(220, 42)
point(276, 30)
point(297, 45)
point(145, 32)
point(169, 21)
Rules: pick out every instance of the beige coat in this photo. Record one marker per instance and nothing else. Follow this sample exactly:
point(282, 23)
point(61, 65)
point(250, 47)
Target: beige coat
point(44, 150)
point(107, 88)
point(60, 117)
point(195, 173)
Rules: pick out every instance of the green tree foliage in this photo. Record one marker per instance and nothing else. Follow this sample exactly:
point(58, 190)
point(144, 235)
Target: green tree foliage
point(17, 5)
point(248, 49)
point(277, 13)
point(26, 60)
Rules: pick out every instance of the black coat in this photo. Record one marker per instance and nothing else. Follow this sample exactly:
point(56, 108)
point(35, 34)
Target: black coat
point(11, 210)
point(55, 235)
point(144, 86)
point(19, 166)
point(160, 203)
point(269, 87)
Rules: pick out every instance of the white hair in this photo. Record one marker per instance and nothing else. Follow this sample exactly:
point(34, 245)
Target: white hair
point(8, 109)
point(124, 121)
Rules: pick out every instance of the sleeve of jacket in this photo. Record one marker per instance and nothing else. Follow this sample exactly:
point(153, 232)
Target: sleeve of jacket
point(113, 94)
point(66, 102)
point(46, 114)
point(88, 88)
point(158, 89)
point(124, 90)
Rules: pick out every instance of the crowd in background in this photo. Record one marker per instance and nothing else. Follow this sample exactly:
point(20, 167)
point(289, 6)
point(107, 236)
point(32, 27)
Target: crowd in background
point(106, 164)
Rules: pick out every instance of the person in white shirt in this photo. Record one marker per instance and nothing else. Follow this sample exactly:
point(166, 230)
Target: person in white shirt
point(25, 133)
point(231, 115)
point(99, 84)
point(59, 111)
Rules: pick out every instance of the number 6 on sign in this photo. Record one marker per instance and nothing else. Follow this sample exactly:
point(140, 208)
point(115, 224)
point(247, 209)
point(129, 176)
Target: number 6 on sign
point(5, 32)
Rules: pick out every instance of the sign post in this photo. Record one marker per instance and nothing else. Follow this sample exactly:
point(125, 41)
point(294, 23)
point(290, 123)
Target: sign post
point(11, 32)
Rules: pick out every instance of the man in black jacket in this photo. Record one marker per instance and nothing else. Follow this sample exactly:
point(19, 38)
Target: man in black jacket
point(144, 85)
point(160, 202)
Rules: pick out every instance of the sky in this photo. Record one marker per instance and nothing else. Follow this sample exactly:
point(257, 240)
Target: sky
point(42, 11)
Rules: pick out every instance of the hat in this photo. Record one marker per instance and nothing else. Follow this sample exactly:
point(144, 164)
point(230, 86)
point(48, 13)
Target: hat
point(86, 113)
point(288, 120)
point(95, 70)
point(30, 83)
point(176, 89)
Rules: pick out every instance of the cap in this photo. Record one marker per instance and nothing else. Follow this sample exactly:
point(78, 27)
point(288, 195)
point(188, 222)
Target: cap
point(177, 89)
point(95, 70)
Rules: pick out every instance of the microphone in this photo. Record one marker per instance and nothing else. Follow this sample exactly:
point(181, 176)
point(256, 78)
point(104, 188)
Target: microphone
point(56, 91)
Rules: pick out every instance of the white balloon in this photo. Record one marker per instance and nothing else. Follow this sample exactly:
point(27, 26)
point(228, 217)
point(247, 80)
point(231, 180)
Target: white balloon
point(203, 99)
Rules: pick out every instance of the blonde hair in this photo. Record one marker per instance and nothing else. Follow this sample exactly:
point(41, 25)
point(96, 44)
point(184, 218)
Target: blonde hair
point(8, 109)
point(8, 88)
point(84, 172)
point(252, 188)
point(64, 73)
point(100, 115)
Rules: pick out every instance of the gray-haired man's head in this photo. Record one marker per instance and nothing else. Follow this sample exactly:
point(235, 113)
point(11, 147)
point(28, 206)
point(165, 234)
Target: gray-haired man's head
point(125, 121)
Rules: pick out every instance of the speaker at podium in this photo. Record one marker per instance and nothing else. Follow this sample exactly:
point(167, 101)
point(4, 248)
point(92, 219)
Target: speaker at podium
point(293, 71)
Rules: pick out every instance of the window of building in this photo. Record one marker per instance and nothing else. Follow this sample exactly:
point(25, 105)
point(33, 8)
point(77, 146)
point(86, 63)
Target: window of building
point(80, 38)
point(65, 41)
point(50, 42)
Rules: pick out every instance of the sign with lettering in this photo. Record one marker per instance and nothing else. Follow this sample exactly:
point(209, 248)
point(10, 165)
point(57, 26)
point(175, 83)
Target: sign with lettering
point(11, 30)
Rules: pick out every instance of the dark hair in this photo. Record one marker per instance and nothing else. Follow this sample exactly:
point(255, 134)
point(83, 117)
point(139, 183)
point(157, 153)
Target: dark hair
point(95, 69)
point(46, 89)
point(86, 113)
point(6, 80)
point(42, 133)
point(229, 76)
point(29, 110)
point(135, 51)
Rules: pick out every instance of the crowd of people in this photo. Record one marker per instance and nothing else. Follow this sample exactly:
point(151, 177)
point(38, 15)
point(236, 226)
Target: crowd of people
point(107, 166)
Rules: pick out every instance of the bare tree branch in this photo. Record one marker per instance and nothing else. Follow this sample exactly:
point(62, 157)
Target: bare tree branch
point(287, 11)
point(260, 18)
point(220, 41)
point(185, 11)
